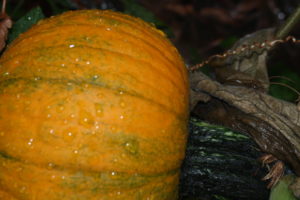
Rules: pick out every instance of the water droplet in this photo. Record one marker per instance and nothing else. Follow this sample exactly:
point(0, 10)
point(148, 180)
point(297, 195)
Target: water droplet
point(62, 65)
point(108, 29)
point(70, 134)
point(77, 59)
point(121, 92)
point(48, 115)
point(53, 177)
point(86, 119)
point(121, 117)
point(5, 73)
point(95, 77)
point(30, 142)
point(131, 147)
point(37, 78)
point(63, 177)
point(99, 109)
point(51, 131)
point(29, 18)
point(72, 115)
point(113, 173)
point(75, 151)
point(118, 193)
point(69, 84)
point(88, 62)
point(51, 165)
point(71, 45)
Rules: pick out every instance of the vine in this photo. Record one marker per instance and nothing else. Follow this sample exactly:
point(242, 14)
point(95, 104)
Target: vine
point(281, 36)
point(239, 51)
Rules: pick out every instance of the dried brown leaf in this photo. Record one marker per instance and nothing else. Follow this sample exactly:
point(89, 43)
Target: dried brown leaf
point(274, 124)
point(5, 24)
point(295, 187)
point(250, 63)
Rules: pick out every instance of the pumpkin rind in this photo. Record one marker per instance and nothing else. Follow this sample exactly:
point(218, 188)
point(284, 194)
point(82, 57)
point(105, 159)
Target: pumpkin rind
point(94, 105)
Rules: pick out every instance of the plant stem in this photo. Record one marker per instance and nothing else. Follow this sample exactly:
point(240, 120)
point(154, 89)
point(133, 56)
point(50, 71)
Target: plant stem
point(289, 24)
point(3, 7)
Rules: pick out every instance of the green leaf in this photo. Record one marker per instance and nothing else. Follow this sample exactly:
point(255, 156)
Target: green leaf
point(25, 22)
point(281, 190)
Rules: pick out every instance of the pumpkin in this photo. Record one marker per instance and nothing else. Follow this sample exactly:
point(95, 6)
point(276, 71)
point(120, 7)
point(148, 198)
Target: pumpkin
point(93, 105)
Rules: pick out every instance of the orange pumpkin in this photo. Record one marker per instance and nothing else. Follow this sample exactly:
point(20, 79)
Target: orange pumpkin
point(93, 105)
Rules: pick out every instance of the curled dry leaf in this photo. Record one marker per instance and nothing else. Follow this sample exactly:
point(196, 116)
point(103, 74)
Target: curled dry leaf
point(5, 24)
point(273, 124)
point(250, 64)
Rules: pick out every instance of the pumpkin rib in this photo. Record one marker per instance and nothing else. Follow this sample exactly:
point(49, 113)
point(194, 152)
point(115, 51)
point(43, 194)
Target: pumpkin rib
point(169, 63)
point(45, 165)
point(60, 81)
point(74, 167)
point(159, 34)
point(4, 154)
point(163, 76)
point(140, 25)
point(95, 26)
point(159, 41)
point(177, 87)
point(109, 125)
point(137, 24)
point(140, 183)
point(164, 107)
point(60, 168)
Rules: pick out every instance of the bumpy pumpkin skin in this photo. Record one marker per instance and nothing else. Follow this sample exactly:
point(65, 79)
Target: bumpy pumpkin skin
point(93, 105)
